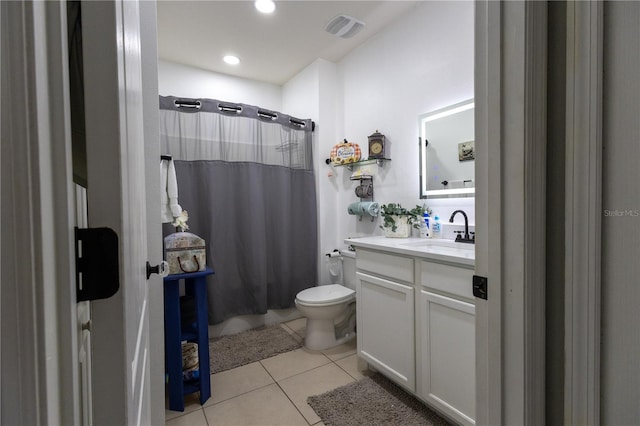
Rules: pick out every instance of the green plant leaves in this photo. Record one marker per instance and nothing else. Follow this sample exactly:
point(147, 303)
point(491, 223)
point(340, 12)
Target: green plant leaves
point(388, 211)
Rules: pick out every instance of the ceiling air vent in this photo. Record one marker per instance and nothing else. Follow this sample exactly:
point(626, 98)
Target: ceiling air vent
point(344, 26)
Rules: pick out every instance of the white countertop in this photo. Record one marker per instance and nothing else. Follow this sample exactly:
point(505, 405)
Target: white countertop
point(428, 248)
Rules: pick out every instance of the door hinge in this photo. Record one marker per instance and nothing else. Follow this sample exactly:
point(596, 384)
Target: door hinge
point(480, 287)
point(97, 266)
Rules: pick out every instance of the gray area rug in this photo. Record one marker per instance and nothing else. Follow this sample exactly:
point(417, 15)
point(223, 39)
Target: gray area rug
point(374, 400)
point(235, 350)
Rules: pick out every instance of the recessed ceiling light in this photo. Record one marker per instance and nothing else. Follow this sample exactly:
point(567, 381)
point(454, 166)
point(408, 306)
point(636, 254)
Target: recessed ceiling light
point(265, 6)
point(231, 60)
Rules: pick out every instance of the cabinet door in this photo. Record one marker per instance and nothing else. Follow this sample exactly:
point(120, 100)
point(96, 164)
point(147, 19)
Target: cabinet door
point(385, 320)
point(446, 355)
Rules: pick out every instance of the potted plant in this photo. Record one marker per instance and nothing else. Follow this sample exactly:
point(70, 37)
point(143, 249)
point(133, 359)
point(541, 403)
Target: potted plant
point(399, 220)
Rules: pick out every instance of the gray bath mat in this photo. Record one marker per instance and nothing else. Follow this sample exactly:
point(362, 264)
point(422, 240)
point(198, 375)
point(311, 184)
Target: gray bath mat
point(232, 351)
point(373, 400)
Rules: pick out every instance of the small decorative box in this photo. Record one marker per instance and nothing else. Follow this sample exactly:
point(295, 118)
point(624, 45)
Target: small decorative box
point(185, 252)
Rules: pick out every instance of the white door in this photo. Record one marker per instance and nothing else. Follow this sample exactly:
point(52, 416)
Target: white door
point(116, 199)
point(149, 52)
point(38, 271)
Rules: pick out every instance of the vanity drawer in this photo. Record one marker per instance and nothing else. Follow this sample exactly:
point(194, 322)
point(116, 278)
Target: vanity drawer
point(448, 279)
point(388, 265)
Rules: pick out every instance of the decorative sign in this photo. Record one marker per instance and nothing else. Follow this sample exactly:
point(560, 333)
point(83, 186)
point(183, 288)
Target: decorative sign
point(345, 153)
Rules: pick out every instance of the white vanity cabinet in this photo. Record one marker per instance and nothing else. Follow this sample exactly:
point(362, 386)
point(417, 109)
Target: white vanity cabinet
point(385, 315)
point(445, 340)
point(416, 318)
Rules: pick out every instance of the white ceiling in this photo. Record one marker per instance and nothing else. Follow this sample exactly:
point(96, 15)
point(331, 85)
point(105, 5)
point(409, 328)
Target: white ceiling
point(272, 48)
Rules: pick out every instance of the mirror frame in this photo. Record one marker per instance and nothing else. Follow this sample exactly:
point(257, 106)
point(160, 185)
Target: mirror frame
point(422, 157)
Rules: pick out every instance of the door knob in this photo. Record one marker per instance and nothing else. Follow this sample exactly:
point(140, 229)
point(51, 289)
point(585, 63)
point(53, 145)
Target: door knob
point(162, 269)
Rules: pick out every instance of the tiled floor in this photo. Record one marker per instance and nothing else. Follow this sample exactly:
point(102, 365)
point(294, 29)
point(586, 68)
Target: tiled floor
point(273, 391)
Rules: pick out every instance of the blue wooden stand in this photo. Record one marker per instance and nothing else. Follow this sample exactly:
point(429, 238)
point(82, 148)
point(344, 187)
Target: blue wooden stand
point(175, 333)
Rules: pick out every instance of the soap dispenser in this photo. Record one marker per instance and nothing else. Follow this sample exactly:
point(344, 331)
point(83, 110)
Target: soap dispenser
point(425, 230)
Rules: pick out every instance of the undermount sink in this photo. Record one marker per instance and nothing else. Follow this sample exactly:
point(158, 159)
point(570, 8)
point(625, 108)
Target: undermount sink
point(430, 242)
point(439, 249)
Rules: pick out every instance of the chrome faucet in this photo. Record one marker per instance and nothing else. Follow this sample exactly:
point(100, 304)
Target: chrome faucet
point(466, 238)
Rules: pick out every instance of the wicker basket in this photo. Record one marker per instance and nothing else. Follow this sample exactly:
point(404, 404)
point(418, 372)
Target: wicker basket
point(189, 356)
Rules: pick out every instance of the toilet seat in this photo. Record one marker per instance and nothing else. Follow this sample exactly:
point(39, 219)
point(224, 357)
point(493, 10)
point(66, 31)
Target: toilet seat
point(325, 295)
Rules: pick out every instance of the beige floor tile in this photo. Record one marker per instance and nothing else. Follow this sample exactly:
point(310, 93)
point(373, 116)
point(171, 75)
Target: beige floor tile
point(195, 418)
point(322, 379)
point(237, 381)
point(298, 325)
point(295, 362)
point(353, 366)
point(191, 403)
point(264, 406)
point(292, 333)
point(341, 351)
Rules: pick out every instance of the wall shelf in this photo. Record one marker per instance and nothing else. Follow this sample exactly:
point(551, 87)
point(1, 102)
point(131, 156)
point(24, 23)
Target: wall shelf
point(364, 192)
point(378, 161)
point(362, 177)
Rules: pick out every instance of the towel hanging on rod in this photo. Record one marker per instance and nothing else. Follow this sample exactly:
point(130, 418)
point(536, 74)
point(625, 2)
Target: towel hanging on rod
point(169, 207)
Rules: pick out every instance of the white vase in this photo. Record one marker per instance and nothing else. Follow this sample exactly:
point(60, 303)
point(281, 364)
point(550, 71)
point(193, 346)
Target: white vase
point(403, 228)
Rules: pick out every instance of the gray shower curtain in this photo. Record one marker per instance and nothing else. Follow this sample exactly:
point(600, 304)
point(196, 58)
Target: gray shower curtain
point(245, 176)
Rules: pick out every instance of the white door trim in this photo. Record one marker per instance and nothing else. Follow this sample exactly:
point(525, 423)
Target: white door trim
point(583, 212)
point(38, 274)
point(535, 209)
point(511, 49)
point(488, 197)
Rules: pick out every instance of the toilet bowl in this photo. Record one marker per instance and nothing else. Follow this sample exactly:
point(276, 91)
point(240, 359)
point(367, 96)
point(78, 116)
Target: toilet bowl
point(330, 309)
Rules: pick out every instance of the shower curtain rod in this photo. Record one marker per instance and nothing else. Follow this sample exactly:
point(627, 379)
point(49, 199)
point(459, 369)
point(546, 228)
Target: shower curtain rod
point(212, 105)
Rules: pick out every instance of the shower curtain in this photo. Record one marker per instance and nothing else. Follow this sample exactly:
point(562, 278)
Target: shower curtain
point(245, 177)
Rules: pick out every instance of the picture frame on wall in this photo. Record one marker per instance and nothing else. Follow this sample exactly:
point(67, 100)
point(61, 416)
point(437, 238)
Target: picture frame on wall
point(466, 151)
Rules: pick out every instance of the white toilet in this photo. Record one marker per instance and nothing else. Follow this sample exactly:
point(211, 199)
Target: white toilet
point(331, 309)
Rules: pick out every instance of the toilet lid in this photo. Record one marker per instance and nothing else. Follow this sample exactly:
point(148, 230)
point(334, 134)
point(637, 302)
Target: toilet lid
point(325, 293)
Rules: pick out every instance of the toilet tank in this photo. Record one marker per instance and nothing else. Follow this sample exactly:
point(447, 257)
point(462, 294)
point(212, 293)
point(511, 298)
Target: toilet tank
point(349, 268)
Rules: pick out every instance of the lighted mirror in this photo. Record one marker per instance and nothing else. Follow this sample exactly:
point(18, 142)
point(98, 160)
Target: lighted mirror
point(447, 152)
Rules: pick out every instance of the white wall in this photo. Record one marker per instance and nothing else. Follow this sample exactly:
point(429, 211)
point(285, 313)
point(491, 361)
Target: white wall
point(312, 94)
point(421, 63)
point(189, 82)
